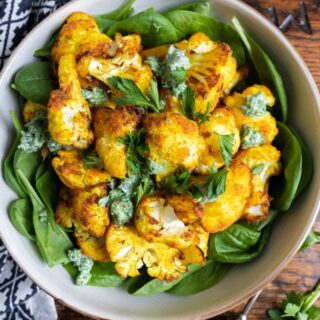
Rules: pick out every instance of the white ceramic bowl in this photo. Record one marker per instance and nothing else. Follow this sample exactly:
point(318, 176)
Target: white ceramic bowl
point(242, 281)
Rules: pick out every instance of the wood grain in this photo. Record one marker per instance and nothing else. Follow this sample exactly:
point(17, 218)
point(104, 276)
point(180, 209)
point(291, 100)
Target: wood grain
point(303, 271)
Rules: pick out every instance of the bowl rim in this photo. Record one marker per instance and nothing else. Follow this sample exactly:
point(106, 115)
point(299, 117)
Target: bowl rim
point(316, 207)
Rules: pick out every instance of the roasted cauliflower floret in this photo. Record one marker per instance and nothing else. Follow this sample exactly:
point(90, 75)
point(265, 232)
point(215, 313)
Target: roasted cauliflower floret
point(130, 252)
point(174, 141)
point(30, 109)
point(197, 253)
point(163, 262)
point(109, 126)
point(64, 210)
point(157, 221)
point(212, 70)
point(69, 114)
point(230, 206)
point(221, 123)
point(126, 249)
point(185, 207)
point(249, 109)
point(88, 213)
point(264, 162)
point(80, 36)
point(92, 246)
point(126, 63)
point(69, 167)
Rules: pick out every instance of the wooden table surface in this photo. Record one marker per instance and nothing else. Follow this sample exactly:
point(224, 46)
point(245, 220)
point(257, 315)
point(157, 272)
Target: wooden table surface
point(304, 270)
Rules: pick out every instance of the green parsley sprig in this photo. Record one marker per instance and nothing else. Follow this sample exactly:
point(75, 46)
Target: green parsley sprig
point(132, 95)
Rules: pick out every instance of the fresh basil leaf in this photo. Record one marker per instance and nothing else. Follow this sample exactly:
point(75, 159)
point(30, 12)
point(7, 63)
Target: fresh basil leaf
point(285, 187)
point(20, 213)
point(132, 94)
point(313, 238)
point(34, 82)
point(240, 243)
point(203, 117)
point(265, 68)
point(201, 279)
point(272, 215)
point(226, 147)
point(96, 97)
point(91, 159)
point(177, 183)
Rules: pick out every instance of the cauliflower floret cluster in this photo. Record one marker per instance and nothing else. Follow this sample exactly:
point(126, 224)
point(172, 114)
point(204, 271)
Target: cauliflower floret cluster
point(148, 172)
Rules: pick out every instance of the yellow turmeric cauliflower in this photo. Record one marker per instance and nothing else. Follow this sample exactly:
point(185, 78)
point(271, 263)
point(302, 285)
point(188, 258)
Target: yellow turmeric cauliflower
point(264, 162)
point(185, 207)
point(157, 221)
point(221, 122)
point(212, 70)
point(126, 63)
point(163, 262)
point(93, 247)
point(30, 109)
point(265, 124)
point(173, 140)
point(81, 36)
point(69, 167)
point(109, 126)
point(65, 215)
point(126, 248)
point(88, 213)
point(129, 251)
point(69, 114)
point(230, 206)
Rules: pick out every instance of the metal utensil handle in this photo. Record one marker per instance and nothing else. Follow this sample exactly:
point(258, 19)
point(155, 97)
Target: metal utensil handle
point(246, 310)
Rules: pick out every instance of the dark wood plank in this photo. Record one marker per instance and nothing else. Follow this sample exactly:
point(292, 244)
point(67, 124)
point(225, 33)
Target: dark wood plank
point(303, 271)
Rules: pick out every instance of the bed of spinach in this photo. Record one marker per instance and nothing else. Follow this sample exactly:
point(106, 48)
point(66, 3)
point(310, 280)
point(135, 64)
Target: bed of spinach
point(36, 185)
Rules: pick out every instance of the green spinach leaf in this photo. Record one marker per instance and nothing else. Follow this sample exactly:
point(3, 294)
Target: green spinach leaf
point(145, 285)
point(53, 243)
point(284, 188)
point(240, 243)
point(102, 274)
point(201, 279)
point(105, 21)
point(45, 51)
point(202, 7)
point(307, 162)
point(266, 70)
point(20, 213)
point(34, 82)
point(7, 165)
